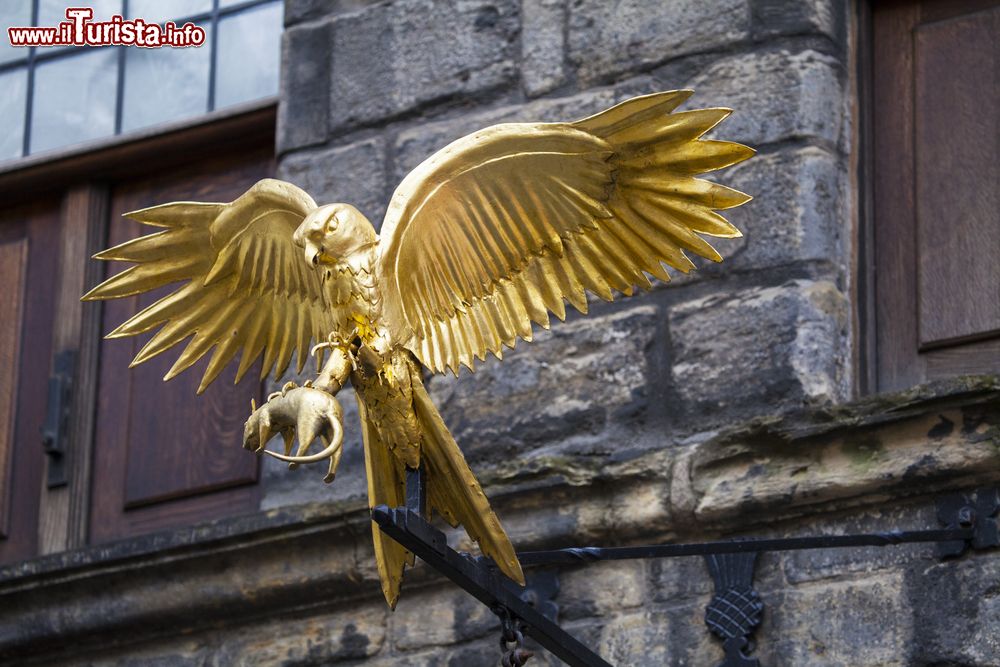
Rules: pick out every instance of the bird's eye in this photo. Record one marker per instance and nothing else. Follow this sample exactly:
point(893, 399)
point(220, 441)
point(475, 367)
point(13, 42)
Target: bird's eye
point(332, 223)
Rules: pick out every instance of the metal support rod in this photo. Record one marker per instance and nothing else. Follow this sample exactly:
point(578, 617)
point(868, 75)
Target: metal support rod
point(416, 490)
point(588, 554)
point(482, 580)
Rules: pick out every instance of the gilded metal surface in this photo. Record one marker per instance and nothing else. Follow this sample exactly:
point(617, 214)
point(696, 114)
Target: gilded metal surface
point(489, 235)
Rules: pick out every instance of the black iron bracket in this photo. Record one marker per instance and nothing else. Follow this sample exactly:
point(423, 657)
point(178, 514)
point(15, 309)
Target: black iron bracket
point(54, 430)
point(970, 522)
point(478, 576)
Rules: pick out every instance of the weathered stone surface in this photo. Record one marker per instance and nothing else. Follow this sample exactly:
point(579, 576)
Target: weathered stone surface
point(773, 346)
point(414, 145)
point(751, 469)
point(392, 58)
point(303, 112)
point(957, 611)
point(777, 95)
point(679, 581)
point(608, 38)
point(439, 617)
point(772, 18)
point(542, 45)
point(597, 590)
point(798, 211)
point(863, 621)
point(353, 633)
point(297, 11)
point(590, 371)
point(354, 174)
point(817, 564)
point(659, 636)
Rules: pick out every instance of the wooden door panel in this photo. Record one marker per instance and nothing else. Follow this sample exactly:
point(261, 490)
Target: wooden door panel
point(936, 208)
point(957, 91)
point(13, 265)
point(163, 455)
point(29, 244)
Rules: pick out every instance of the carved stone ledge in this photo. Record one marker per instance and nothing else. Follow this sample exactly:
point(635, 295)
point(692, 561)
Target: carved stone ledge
point(936, 436)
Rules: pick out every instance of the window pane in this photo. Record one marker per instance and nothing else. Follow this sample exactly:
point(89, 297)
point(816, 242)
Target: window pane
point(249, 55)
point(13, 13)
point(53, 12)
point(161, 11)
point(74, 99)
point(14, 85)
point(165, 84)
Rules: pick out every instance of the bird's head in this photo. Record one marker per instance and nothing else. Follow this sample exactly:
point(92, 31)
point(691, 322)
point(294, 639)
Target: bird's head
point(331, 234)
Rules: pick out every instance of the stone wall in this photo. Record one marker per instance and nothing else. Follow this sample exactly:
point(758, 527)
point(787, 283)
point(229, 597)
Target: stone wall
point(719, 405)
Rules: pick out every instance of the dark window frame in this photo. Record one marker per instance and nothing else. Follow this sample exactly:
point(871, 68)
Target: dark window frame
point(35, 56)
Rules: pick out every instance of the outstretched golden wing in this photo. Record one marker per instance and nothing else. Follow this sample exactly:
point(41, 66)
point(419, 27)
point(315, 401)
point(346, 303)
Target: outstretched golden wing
point(247, 286)
point(492, 232)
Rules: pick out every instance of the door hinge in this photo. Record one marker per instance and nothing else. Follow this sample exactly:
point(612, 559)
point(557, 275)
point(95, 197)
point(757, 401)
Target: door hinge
point(54, 431)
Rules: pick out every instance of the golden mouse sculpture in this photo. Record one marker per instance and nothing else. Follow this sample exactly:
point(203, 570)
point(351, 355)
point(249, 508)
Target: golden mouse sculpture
point(487, 236)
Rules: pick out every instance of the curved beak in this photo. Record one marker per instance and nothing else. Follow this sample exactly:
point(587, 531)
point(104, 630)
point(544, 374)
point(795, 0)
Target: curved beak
point(313, 254)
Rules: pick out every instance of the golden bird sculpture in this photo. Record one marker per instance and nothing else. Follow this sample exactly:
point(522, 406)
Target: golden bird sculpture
point(492, 233)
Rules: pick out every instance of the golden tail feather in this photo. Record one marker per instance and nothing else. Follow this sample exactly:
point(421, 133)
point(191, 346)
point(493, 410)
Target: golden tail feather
point(454, 491)
point(386, 486)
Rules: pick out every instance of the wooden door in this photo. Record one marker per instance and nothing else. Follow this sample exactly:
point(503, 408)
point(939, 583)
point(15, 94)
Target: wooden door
point(163, 456)
point(29, 245)
point(936, 190)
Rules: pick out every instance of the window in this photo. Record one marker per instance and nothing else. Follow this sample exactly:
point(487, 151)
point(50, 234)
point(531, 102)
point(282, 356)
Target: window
point(60, 96)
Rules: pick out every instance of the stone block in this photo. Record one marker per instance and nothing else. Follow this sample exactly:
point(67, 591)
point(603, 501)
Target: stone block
point(777, 95)
point(439, 617)
point(543, 25)
point(393, 58)
point(354, 174)
point(758, 349)
point(956, 609)
point(350, 634)
point(597, 590)
point(606, 39)
point(303, 112)
point(659, 636)
point(774, 18)
point(297, 11)
point(571, 381)
point(798, 212)
point(680, 581)
point(416, 144)
point(817, 564)
point(864, 621)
